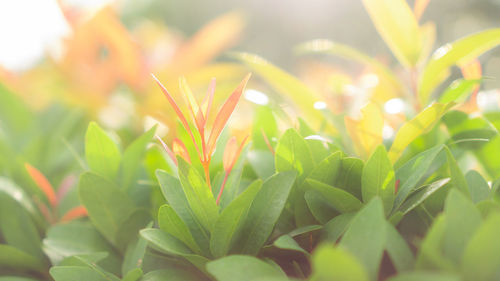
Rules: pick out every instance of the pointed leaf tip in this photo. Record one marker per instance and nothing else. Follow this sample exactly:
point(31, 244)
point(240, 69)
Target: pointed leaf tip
point(43, 183)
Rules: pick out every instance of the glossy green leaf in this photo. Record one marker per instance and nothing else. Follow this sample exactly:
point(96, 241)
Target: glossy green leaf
point(337, 226)
point(172, 224)
point(198, 194)
point(462, 220)
point(378, 179)
point(171, 274)
point(411, 173)
point(76, 238)
point(78, 273)
point(480, 259)
point(399, 28)
point(228, 226)
point(423, 122)
point(349, 177)
point(168, 244)
point(339, 199)
point(458, 52)
point(17, 229)
point(319, 207)
point(107, 205)
point(293, 154)
point(366, 236)
point(398, 250)
point(457, 177)
point(479, 188)
point(262, 162)
point(419, 196)
point(14, 258)
point(327, 171)
point(132, 158)
point(264, 212)
point(133, 275)
point(242, 268)
point(134, 254)
point(430, 255)
point(173, 193)
point(459, 90)
point(286, 242)
point(427, 276)
point(336, 264)
point(102, 153)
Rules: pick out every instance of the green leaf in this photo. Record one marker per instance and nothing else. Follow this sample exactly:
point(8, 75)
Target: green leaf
point(172, 224)
point(412, 172)
point(430, 255)
point(15, 278)
point(14, 258)
point(459, 90)
point(133, 275)
point(349, 177)
point(327, 171)
point(286, 242)
point(76, 238)
point(171, 274)
point(15, 114)
point(17, 229)
point(337, 226)
point(292, 154)
point(366, 236)
point(102, 153)
point(129, 228)
point(173, 193)
point(479, 188)
point(419, 196)
point(134, 254)
point(264, 212)
point(427, 276)
point(198, 194)
point(283, 82)
point(462, 220)
point(262, 162)
point(397, 25)
point(423, 122)
point(168, 244)
point(457, 177)
point(8, 187)
point(480, 259)
point(242, 268)
point(339, 199)
point(263, 121)
point(458, 52)
point(132, 158)
point(378, 178)
point(398, 250)
point(107, 205)
point(78, 273)
point(336, 264)
point(228, 226)
point(319, 207)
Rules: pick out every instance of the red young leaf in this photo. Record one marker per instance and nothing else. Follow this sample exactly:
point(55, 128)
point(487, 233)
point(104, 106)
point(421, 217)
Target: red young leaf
point(419, 8)
point(224, 114)
point(76, 212)
point(180, 149)
point(177, 110)
point(42, 183)
point(167, 149)
point(232, 152)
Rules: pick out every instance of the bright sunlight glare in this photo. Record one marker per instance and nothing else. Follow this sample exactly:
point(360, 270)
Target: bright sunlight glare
point(256, 97)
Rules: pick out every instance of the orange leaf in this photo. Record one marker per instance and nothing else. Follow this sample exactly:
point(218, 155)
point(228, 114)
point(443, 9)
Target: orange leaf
point(76, 212)
point(42, 183)
point(167, 149)
point(419, 7)
point(207, 101)
point(177, 110)
point(232, 152)
point(472, 69)
point(224, 114)
point(191, 102)
point(180, 149)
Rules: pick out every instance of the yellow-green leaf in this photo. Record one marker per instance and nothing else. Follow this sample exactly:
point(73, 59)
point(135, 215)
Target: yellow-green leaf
point(423, 122)
point(458, 52)
point(399, 28)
